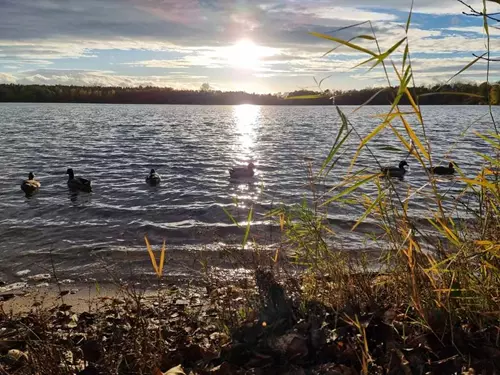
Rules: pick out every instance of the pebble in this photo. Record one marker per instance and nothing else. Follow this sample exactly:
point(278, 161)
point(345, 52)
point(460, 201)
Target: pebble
point(14, 286)
point(17, 355)
point(40, 277)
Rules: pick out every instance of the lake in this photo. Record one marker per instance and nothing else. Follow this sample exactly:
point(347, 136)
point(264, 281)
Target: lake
point(102, 233)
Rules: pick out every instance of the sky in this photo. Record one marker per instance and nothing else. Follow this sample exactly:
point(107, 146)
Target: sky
point(251, 45)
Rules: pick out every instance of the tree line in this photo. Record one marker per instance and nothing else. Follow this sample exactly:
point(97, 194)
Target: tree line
point(456, 93)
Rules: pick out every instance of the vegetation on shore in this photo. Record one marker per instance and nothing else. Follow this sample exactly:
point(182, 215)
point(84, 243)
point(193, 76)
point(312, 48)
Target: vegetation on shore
point(479, 94)
point(430, 305)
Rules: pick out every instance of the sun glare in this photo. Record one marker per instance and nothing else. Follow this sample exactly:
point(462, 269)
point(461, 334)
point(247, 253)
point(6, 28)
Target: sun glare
point(246, 54)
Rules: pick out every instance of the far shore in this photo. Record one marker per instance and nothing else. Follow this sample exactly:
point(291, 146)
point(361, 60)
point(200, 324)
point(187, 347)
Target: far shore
point(446, 94)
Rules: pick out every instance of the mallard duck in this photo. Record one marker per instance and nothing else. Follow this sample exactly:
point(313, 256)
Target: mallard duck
point(395, 171)
point(237, 172)
point(153, 178)
point(78, 183)
point(30, 186)
point(443, 170)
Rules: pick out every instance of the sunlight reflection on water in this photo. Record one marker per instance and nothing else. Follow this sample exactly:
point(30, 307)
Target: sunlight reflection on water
point(246, 117)
point(247, 121)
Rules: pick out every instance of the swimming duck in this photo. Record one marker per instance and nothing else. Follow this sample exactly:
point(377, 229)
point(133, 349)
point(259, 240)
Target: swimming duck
point(153, 178)
point(238, 172)
point(30, 186)
point(395, 171)
point(443, 170)
point(78, 183)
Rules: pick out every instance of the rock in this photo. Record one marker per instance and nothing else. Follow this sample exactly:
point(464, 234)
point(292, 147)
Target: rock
point(40, 277)
point(62, 293)
point(16, 355)
point(42, 285)
point(14, 286)
point(181, 302)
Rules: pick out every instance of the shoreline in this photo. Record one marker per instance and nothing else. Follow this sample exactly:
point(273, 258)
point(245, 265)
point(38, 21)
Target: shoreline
point(259, 326)
point(246, 103)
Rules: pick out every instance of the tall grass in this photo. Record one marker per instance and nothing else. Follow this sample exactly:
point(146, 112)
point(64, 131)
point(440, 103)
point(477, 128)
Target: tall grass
point(444, 265)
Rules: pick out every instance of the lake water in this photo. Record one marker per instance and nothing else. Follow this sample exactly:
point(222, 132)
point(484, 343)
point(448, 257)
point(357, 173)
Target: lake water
point(192, 147)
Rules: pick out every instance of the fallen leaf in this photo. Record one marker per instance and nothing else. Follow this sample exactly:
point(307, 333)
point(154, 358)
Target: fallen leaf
point(177, 370)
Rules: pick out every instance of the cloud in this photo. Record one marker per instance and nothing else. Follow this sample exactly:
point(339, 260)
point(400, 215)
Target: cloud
point(7, 78)
point(493, 31)
point(193, 38)
point(99, 78)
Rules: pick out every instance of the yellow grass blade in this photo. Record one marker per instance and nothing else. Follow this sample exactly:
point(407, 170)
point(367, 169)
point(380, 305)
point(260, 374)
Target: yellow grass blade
point(449, 233)
point(414, 105)
point(282, 221)
point(414, 137)
point(275, 259)
point(367, 37)
point(403, 141)
point(368, 210)
point(151, 255)
point(162, 259)
point(374, 132)
point(349, 190)
point(465, 67)
point(483, 183)
point(344, 42)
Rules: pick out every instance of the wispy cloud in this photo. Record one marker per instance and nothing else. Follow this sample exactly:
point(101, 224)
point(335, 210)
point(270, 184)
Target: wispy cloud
point(179, 43)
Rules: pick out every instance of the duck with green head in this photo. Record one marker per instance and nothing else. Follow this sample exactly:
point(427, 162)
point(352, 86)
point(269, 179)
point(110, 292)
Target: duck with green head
point(78, 183)
point(30, 186)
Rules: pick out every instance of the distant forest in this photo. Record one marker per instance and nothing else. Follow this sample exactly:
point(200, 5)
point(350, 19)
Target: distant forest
point(481, 93)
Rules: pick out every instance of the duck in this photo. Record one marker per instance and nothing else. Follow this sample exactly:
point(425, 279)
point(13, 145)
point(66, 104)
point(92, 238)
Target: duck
point(78, 183)
point(30, 186)
point(395, 171)
point(443, 170)
point(238, 172)
point(153, 178)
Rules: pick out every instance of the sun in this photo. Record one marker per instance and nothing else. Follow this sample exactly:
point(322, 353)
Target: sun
point(245, 54)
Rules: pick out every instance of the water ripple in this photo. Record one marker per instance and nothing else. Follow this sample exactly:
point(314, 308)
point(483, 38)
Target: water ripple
point(192, 148)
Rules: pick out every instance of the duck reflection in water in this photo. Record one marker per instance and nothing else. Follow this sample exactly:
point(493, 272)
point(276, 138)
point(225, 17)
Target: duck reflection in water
point(78, 198)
